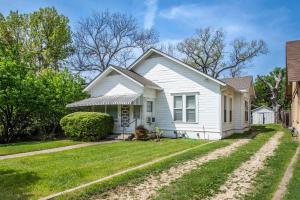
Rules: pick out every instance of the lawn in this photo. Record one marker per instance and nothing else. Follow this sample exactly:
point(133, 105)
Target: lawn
point(268, 179)
point(21, 147)
point(37, 176)
point(293, 189)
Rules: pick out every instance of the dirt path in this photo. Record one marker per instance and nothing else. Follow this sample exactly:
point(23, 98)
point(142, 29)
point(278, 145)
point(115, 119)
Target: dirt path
point(58, 149)
point(286, 177)
point(148, 188)
point(241, 180)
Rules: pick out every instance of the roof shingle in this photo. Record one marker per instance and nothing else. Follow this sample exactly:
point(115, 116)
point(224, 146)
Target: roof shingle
point(136, 77)
point(239, 83)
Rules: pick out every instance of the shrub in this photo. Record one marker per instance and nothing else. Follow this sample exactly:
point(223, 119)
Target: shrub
point(141, 132)
point(89, 126)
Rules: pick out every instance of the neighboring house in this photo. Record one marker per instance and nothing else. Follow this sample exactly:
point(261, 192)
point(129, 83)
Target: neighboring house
point(159, 90)
point(263, 115)
point(293, 80)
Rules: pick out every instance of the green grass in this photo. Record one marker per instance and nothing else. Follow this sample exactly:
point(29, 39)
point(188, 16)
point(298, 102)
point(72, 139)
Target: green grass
point(268, 179)
point(37, 176)
point(293, 189)
point(137, 176)
point(22, 147)
point(207, 179)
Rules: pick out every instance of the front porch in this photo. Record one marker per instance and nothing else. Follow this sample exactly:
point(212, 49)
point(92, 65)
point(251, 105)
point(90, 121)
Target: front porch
point(128, 111)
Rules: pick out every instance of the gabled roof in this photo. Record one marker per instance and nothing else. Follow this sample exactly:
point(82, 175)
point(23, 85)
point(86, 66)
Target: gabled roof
point(137, 77)
point(239, 83)
point(153, 50)
point(142, 81)
point(266, 107)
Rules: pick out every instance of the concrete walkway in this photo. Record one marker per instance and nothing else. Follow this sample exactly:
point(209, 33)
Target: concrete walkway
point(76, 146)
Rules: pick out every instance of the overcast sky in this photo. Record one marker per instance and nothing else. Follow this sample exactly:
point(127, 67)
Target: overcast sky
point(274, 21)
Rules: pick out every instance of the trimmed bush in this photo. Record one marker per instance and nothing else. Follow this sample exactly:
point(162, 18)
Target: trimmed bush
point(88, 126)
point(141, 133)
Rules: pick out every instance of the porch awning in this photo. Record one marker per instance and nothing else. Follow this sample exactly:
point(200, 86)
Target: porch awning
point(131, 99)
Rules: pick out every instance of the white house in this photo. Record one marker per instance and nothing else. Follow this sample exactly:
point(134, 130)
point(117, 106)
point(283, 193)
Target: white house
point(158, 90)
point(263, 115)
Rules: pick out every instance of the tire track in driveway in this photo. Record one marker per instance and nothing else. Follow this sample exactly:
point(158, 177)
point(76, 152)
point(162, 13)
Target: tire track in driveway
point(148, 188)
point(240, 182)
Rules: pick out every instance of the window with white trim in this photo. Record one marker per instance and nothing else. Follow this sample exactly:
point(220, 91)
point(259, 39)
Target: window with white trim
point(184, 108)
point(246, 111)
point(225, 108)
point(191, 108)
point(230, 109)
point(178, 105)
point(149, 106)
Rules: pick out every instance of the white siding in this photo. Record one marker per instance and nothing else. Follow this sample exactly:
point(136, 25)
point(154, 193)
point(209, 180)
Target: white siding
point(116, 85)
point(238, 123)
point(174, 78)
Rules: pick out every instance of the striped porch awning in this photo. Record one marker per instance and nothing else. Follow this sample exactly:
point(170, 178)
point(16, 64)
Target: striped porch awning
point(130, 99)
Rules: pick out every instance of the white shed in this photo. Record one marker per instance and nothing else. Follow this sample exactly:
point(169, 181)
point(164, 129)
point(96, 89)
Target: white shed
point(263, 115)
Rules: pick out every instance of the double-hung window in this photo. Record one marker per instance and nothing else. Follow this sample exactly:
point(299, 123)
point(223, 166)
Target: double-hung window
point(230, 109)
point(191, 108)
point(178, 108)
point(184, 108)
point(246, 111)
point(225, 108)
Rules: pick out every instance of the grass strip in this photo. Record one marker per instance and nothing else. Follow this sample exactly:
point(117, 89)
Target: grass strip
point(268, 179)
point(22, 147)
point(207, 179)
point(41, 175)
point(293, 189)
point(138, 176)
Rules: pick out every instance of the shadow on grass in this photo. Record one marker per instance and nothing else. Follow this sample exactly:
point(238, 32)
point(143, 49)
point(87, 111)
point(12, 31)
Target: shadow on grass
point(254, 129)
point(16, 184)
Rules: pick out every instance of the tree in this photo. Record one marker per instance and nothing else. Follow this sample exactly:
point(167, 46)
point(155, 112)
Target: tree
point(19, 96)
point(29, 98)
point(206, 51)
point(43, 37)
point(109, 38)
point(50, 38)
point(270, 90)
point(59, 88)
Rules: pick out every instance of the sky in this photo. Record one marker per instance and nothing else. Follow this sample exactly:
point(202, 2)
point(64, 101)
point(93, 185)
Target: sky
point(274, 21)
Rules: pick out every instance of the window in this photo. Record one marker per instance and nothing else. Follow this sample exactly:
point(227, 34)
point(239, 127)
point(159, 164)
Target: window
point(190, 109)
point(230, 110)
point(225, 108)
point(136, 112)
point(178, 108)
point(149, 106)
point(185, 108)
point(113, 111)
point(246, 111)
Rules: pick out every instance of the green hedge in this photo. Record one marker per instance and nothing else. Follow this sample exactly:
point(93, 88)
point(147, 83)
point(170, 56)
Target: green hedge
point(90, 126)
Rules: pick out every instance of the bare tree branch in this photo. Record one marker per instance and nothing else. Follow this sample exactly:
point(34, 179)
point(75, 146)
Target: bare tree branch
point(108, 38)
point(206, 52)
